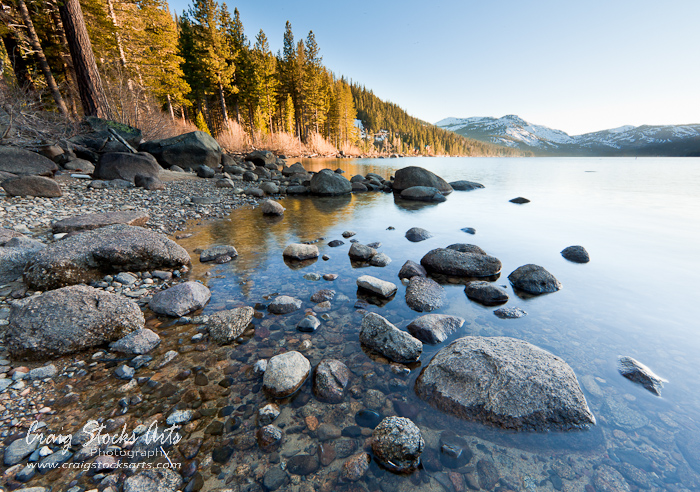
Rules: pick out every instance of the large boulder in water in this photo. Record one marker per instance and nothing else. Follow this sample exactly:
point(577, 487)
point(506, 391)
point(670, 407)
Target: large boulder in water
point(126, 166)
point(453, 262)
point(89, 256)
point(505, 382)
point(534, 279)
point(32, 186)
point(411, 176)
point(22, 162)
point(69, 319)
point(188, 151)
point(423, 194)
point(326, 182)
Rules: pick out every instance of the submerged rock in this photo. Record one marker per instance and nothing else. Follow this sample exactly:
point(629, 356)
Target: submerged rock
point(504, 382)
point(301, 251)
point(137, 343)
point(285, 373)
point(154, 480)
point(465, 185)
point(423, 194)
point(70, 319)
point(486, 293)
point(577, 254)
point(180, 299)
point(416, 234)
point(89, 256)
point(380, 287)
point(510, 313)
point(225, 326)
point(330, 380)
point(534, 279)
point(397, 443)
point(216, 252)
point(452, 262)
point(434, 328)
point(424, 294)
point(284, 305)
point(638, 373)
point(383, 337)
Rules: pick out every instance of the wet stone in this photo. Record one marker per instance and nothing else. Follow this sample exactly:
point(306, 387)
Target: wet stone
point(519, 200)
point(488, 474)
point(638, 373)
point(411, 269)
point(485, 293)
point(303, 464)
point(416, 234)
point(326, 432)
point(326, 453)
point(275, 478)
point(201, 379)
point(323, 295)
point(269, 438)
point(284, 305)
point(330, 380)
point(268, 414)
point(355, 467)
point(366, 418)
point(309, 324)
point(397, 443)
point(510, 313)
point(576, 254)
point(454, 451)
point(335, 243)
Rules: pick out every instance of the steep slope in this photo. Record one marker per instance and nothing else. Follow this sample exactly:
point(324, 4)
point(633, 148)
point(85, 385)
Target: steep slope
point(514, 132)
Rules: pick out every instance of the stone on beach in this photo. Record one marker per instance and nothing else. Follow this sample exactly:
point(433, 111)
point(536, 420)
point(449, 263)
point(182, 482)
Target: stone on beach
point(285, 374)
point(37, 186)
point(383, 337)
point(123, 165)
point(89, 256)
point(137, 343)
point(23, 162)
point(456, 263)
point(225, 326)
point(69, 319)
point(95, 221)
point(15, 253)
point(534, 279)
point(301, 251)
point(434, 328)
point(188, 151)
point(377, 286)
point(180, 299)
point(504, 382)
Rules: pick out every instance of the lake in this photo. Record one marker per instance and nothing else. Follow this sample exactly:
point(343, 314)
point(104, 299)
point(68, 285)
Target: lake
point(639, 219)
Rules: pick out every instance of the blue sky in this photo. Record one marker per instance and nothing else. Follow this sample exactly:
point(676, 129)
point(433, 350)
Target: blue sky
point(574, 66)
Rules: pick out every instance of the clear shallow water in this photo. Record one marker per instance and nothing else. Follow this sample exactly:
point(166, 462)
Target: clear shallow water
point(638, 218)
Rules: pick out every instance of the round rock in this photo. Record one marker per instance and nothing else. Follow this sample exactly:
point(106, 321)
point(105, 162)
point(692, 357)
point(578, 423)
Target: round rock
point(285, 374)
point(271, 207)
point(577, 254)
point(456, 263)
point(284, 305)
point(410, 176)
point(486, 293)
point(397, 443)
point(180, 299)
point(534, 279)
point(416, 234)
point(137, 343)
point(330, 380)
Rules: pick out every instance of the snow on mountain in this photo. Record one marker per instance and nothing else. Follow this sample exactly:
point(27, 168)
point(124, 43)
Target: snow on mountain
point(513, 131)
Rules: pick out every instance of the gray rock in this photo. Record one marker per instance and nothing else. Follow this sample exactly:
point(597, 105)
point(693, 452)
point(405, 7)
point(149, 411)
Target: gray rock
point(510, 313)
point(137, 343)
point(179, 417)
point(68, 320)
point(504, 382)
point(285, 374)
point(215, 252)
point(534, 279)
point(330, 380)
point(225, 326)
point(303, 464)
point(270, 188)
point(381, 336)
point(95, 221)
point(261, 157)
point(416, 234)
point(380, 287)
point(7, 234)
point(519, 200)
point(301, 251)
point(465, 185)
point(434, 328)
point(451, 262)
point(486, 293)
point(271, 207)
point(326, 182)
point(150, 183)
point(224, 183)
point(348, 234)
point(205, 172)
point(32, 186)
point(274, 478)
point(14, 256)
point(284, 305)
point(297, 190)
point(205, 200)
point(125, 372)
point(80, 165)
point(20, 449)
point(48, 371)
point(411, 269)
point(188, 151)
point(125, 278)
point(424, 294)
point(94, 134)
point(323, 295)
point(638, 373)
point(467, 248)
point(577, 254)
point(256, 192)
point(88, 256)
point(361, 252)
point(309, 324)
point(126, 166)
point(379, 260)
point(180, 299)
point(397, 443)
point(25, 163)
point(268, 414)
point(408, 177)
point(154, 480)
point(295, 168)
point(423, 194)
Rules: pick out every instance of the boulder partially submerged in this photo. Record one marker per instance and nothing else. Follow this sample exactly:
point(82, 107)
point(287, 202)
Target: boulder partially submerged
point(89, 256)
point(411, 176)
point(638, 373)
point(70, 319)
point(505, 382)
point(328, 183)
point(434, 328)
point(380, 335)
point(534, 279)
point(453, 262)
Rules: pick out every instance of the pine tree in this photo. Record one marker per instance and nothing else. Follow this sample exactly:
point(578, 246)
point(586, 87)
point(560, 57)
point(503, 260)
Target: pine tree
point(313, 89)
point(266, 81)
point(201, 123)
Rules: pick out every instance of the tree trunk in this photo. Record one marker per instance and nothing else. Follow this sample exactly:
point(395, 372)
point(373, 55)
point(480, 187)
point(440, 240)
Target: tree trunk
point(67, 62)
point(222, 101)
point(92, 94)
point(19, 66)
point(43, 64)
point(170, 109)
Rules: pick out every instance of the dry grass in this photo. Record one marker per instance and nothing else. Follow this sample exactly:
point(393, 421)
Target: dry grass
point(234, 139)
point(318, 145)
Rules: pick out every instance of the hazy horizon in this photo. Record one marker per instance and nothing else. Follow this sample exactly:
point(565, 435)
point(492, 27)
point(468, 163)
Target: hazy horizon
point(578, 68)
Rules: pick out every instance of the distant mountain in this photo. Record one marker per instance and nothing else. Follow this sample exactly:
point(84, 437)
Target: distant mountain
point(512, 131)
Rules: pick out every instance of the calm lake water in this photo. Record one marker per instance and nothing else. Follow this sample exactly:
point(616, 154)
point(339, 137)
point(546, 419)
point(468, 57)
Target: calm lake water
point(639, 219)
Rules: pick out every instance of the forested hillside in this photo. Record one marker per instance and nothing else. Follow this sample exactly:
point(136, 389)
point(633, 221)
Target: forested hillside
point(203, 69)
